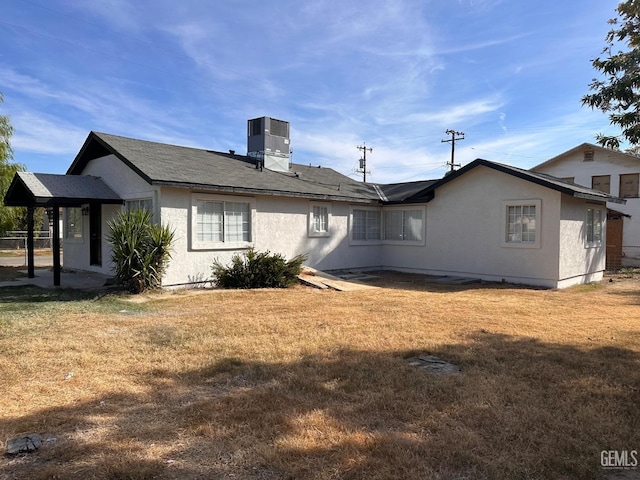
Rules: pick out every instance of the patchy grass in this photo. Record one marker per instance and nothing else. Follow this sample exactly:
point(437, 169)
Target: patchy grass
point(11, 273)
point(300, 383)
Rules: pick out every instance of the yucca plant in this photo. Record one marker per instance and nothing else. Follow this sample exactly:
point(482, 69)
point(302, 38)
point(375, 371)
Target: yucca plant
point(140, 249)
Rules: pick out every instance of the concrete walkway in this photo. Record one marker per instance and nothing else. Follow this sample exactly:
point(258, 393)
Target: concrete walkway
point(76, 279)
point(319, 279)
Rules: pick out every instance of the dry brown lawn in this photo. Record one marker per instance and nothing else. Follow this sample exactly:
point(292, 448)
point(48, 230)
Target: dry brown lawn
point(309, 384)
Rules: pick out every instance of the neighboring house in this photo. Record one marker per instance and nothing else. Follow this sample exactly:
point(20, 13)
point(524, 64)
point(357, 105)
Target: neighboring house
point(486, 220)
point(612, 172)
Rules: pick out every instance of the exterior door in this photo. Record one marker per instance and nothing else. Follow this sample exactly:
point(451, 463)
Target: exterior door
point(614, 241)
point(95, 234)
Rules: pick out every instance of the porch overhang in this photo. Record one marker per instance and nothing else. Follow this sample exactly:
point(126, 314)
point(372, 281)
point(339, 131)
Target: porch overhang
point(47, 190)
point(33, 190)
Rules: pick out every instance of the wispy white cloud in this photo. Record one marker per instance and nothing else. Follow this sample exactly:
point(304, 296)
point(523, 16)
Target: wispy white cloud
point(393, 73)
point(479, 45)
point(45, 134)
point(461, 113)
point(120, 14)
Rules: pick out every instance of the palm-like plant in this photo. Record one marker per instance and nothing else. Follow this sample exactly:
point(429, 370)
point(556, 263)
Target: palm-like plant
point(140, 249)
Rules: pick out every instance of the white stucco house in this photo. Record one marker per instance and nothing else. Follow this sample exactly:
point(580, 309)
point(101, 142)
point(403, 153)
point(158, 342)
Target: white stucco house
point(487, 220)
point(612, 172)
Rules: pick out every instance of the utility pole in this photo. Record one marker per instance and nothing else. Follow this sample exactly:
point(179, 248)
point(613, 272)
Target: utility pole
point(363, 161)
point(452, 140)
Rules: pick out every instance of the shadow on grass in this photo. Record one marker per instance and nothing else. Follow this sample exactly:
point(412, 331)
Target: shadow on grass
point(521, 408)
point(33, 294)
point(11, 273)
point(429, 283)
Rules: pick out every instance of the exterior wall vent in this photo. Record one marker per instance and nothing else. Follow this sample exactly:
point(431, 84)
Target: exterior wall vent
point(268, 142)
point(588, 156)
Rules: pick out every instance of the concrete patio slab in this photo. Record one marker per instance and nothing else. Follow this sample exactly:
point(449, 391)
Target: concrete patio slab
point(68, 279)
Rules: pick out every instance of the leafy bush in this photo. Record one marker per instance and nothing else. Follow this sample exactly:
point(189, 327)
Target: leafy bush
point(257, 270)
point(140, 249)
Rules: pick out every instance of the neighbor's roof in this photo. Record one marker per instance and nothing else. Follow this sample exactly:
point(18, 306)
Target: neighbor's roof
point(46, 189)
point(199, 169)
point(542, 179)
point(586, 146)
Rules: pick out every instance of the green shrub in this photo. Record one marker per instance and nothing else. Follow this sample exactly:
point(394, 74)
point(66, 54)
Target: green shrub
point(140, 249)
point(257, 270)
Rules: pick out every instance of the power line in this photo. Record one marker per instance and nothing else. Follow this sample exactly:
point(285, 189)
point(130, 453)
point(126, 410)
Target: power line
point(452, 140)
point(363, 161)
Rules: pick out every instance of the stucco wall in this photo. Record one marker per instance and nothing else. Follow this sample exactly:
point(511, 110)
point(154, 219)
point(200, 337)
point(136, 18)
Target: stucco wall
point(120, 178)
point(464, 232)
point(466, 229)
point(76, 251)
point(575, 252)
point(604, 163)
point(129, 186)
point(279, 225)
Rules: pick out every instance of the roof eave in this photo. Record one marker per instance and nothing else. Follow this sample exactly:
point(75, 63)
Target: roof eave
point(607, 199)
point(79, 163)
point(257, 191)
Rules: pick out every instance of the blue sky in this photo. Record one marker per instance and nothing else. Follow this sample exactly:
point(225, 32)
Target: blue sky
point(392, 73)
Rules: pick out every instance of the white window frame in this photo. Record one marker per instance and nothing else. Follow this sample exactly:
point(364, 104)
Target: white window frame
point(373, 241)
point(129, 202)
point(405, 208)
point(593, 235)
point(314, 220)
point(537, 203)
point(79, 229)
point(224, 199)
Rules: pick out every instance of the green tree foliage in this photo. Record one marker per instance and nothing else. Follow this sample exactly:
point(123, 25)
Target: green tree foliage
point(9, 216)
point(141, 250)
point(618, 93)
point(258, 270)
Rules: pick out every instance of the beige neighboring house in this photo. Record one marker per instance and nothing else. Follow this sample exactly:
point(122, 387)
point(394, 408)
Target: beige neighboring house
point(612, 172)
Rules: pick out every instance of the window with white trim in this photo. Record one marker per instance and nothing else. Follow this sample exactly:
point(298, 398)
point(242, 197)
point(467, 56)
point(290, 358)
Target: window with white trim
point(319, 217)
point(218, 222)
point(593, 226)
point(522, 223)
point(73, 223)
point(139, 204)
point(366, 224)
point(403, 225)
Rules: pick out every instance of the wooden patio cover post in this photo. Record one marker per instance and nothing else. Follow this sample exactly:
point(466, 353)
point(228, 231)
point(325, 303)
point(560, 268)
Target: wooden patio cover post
point(30, 234)
point(56, 246)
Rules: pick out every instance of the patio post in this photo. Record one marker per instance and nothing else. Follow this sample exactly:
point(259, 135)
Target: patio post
point(56, 245)
point(30, 234)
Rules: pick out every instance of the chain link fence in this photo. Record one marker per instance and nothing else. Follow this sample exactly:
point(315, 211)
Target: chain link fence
point(17, 240)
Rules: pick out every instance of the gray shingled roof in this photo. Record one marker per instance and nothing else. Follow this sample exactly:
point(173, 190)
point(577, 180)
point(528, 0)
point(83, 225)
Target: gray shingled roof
point(163, 164)
point(199, 169)
point(45, 189)
point(399, 192)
